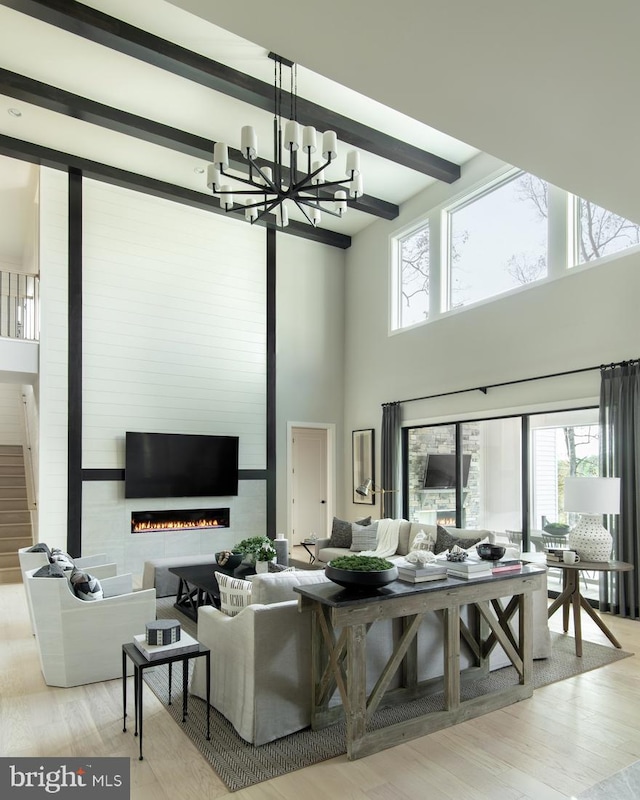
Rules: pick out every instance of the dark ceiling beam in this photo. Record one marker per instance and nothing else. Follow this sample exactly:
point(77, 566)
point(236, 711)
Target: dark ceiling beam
point(60, 101)
point(111, 32)
point(47, 157)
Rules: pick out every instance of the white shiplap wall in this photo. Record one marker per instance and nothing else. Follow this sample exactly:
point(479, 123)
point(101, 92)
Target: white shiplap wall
point(11, 416)
point(174, 325)
point(52, 462)
point(174, 341)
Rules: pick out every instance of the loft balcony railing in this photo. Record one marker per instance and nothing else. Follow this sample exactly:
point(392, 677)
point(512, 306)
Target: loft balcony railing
point(19, 306)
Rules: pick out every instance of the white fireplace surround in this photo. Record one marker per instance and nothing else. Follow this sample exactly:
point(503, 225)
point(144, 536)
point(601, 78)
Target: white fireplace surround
point(106, 524)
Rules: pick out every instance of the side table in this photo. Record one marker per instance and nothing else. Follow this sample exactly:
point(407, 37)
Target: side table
point(307, 543)
point(570, 596)
point(140, 663)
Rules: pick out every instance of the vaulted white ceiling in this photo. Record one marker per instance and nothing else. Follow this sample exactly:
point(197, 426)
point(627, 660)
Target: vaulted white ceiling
point(547, 86)
point(550, 86)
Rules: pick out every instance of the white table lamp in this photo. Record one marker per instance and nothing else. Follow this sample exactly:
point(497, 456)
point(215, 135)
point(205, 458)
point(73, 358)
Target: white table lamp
point(591, 498)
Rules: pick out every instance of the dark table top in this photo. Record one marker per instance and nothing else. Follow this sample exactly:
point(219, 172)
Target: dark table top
point(202, 575)
point(332, 594)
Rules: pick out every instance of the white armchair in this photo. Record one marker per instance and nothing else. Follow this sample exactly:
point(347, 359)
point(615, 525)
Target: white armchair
point(79, 641)
point(96, 564)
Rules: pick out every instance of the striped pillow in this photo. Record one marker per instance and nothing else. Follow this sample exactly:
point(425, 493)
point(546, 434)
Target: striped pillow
point(235, 594)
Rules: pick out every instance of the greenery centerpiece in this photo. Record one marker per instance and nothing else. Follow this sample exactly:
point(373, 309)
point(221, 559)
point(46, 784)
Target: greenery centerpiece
point(556, 528)
point(361, 571)
point(257, 549)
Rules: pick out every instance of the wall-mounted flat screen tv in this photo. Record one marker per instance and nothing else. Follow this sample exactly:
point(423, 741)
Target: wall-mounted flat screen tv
point(180, 465)
point(440, 470)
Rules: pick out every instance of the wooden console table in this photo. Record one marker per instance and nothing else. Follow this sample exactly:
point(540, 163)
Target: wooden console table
point(570, 596)
point(339, 641)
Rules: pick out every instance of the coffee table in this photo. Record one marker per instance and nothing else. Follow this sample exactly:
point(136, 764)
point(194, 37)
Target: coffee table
point(198, 586)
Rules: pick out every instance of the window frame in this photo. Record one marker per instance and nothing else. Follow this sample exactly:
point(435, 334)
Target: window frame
point(562, 249)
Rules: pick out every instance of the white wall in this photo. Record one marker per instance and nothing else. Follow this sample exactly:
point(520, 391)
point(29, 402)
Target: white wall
point(310, 346)
point(174, 325)
point(174, 336)
point(586, 318)
point(11, 416)
point(52, 464)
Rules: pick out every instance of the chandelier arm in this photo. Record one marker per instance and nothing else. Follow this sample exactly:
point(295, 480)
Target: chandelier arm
point(324, 185)
point(270, 185)
point(300, 204)
point(320, 208)
point(299, 184)
point(267, 210)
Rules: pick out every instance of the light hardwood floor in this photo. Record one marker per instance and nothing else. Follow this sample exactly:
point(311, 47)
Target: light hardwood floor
point(566, 738)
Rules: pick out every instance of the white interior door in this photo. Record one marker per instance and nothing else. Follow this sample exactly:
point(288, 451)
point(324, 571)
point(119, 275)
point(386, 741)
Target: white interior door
point(309, 483)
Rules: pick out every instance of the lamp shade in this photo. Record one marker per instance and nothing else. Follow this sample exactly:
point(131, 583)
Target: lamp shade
point(592, 495)
point(365, 487)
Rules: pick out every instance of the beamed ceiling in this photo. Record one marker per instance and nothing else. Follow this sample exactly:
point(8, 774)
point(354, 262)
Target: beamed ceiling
point(136, 94)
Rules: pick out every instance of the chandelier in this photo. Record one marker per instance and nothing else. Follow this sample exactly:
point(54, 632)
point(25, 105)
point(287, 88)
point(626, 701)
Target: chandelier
point(270, 189)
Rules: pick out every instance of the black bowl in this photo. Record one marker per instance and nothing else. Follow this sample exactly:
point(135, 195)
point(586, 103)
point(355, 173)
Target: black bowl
point(490, 552)
point(352, 578)
point(232, 561)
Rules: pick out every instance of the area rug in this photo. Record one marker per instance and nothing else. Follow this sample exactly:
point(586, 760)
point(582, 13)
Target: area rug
point(239, 764)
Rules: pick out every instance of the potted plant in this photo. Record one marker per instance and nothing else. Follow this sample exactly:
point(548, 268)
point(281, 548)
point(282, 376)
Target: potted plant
point(361, 571)
point(257, 550)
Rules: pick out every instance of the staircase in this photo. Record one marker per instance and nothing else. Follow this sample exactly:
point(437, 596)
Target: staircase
point(15, 517)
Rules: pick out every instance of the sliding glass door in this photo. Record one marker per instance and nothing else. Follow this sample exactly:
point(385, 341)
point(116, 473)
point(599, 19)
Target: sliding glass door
point(470, 474)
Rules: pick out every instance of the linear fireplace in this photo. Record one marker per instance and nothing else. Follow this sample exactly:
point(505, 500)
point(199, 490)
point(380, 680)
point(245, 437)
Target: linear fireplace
point(183, 520)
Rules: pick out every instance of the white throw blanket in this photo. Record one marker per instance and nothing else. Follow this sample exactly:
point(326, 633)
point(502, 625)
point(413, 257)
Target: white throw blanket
point(388, 534)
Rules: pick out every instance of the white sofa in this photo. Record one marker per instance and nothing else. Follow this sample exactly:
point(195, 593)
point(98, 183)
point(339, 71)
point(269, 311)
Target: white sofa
point(261, 660)
point(407, 533)
point(80, 641)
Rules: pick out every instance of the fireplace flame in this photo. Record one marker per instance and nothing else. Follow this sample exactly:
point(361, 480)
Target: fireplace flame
point(176, 525)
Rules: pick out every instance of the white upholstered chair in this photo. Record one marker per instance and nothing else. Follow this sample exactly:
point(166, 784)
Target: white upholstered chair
point(80, 641)
point(97, 564)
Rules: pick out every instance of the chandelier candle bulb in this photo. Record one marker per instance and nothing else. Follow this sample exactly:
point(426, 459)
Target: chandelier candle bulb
point(220, 155)
point(355, 187)
point(282, 217)
point(329, 145)
point(341, 201)
point(213, 177)
point(292, 135)
point(309, 139)
point(353, 164)
point(268, 174)
point(319, 178)
point(248, 142)
point(226, 200)
point(316, 216)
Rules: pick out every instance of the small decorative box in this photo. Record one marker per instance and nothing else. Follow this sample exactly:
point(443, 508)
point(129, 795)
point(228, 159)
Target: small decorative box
point(163, 631)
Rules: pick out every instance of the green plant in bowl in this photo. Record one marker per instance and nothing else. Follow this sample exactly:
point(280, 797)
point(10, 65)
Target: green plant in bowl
point(361, 572)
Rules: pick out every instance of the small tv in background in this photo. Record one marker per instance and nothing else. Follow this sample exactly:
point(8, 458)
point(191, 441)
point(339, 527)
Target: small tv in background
point(180, 465)
point(440, 471)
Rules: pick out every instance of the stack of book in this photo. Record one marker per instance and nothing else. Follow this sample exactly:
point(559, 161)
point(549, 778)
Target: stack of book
point(417, 573)
point(555, 553)
point(505, 565)
point(469, 569)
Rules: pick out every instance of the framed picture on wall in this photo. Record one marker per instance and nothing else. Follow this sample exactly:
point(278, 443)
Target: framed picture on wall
point(363, 461)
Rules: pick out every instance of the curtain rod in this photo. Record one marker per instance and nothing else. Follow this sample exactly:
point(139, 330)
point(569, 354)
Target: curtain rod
point(485, 389)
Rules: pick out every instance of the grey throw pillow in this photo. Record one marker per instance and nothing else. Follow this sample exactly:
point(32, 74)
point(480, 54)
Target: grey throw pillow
point(85, 586)
point(364, 537)
point(49, 571)
point(445, 541)
point(341, 532)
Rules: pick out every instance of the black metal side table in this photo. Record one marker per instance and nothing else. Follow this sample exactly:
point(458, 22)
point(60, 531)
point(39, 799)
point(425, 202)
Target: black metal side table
point(140, 663)
point(307, 543)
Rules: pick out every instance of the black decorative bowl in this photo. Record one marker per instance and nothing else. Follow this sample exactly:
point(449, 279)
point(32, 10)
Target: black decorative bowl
point(229, 560)
point(359, 579)
point(490, 552)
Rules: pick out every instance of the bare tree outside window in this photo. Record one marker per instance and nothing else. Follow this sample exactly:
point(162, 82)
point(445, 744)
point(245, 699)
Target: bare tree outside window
point(414, 277)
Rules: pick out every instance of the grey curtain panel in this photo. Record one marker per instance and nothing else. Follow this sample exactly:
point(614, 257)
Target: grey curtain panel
point(620, 458)
point(390, 456)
